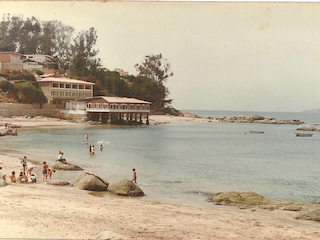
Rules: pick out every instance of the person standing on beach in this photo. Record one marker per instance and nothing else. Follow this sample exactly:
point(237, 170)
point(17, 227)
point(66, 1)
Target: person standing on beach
point(24, 163)
point(134, 179)
point(44, 171)
point(101, 147)
point(90, 149)
point(86, 138)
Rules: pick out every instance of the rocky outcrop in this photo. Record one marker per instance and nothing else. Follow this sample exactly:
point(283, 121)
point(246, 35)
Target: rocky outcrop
point(248, 198)
point(125, 187)
point(57, 182)
point(90, 181)
point(3, 183)
point(188, 114)
point(66, 166)
point(313, 215)
point(306, 127)
point(253, 118)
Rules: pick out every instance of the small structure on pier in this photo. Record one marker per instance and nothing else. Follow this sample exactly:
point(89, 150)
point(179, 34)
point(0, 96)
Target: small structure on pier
point(110, 109)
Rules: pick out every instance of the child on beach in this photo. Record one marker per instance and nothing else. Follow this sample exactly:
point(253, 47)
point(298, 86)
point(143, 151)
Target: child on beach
point(29, 171)
point(13, 177)
point(44, 171)
point(24, 163)
point(33, 178)
point(101, 147)
point(134, 176)
point(50, 171)
point(24, 178)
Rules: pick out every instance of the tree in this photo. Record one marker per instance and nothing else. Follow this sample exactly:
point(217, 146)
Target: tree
point(83, 52)
point(158, 69)
point(155, 67)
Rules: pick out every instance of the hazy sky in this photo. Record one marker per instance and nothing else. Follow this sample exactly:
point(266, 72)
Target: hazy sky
point(225, 56)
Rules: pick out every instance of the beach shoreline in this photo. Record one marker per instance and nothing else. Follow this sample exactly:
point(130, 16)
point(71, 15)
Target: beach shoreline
point(31, 210)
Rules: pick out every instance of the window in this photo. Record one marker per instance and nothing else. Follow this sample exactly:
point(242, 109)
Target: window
point(61, 85)
point(138, 107)
point(55, 85)
point(88, 95)
point(68, 94)
point(81, 94)
point(131, 107)
point(88, 87)
point(81, 86)
point(74, 94)
point(68, 85)
point(74, 86)
point(61, 94)
point(105, 106)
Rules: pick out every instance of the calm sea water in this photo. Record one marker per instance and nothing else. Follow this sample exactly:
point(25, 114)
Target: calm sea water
point(187, 163)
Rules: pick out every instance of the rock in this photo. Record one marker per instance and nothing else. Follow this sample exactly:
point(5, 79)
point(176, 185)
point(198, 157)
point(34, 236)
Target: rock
point(313, 215)
point(3, 183)
point(306, 127)
point(293, 207)
point(253, 118)
point(125, 187)
point(58, 182)
point(249, 198)
point(14, 132)
point(90, 181)
point(190, 115)
point(68, 167)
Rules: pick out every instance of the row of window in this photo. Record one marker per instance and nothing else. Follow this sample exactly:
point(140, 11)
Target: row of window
point(70, 94)
point(117, 106)
point(71, 86)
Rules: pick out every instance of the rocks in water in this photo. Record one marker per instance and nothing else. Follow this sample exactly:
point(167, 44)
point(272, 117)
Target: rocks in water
point(90, 181)
point(248, 198)
point(66, 166)
point(3, 183)
point(58, 182)
point(253, 118)
point(306, 127)
point(125, 187)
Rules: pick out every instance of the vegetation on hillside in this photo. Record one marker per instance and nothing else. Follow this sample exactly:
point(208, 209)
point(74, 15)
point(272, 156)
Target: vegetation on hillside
point(76, 57)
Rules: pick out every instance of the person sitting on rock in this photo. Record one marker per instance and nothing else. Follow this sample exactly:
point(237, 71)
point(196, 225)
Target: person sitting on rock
point(61, 158)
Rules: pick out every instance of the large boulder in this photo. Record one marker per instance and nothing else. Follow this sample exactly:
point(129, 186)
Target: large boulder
point(125, 187)
point(66, 166)
point(58, 182)
point(306, 127)
point(313, 215)
point(248, 198)
point(3, 183)
point(90, 181)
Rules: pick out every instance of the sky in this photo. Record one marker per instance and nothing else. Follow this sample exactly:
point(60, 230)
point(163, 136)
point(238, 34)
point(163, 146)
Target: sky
point(241, 56)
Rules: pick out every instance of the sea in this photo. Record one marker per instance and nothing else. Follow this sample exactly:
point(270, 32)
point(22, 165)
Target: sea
point(187, 163)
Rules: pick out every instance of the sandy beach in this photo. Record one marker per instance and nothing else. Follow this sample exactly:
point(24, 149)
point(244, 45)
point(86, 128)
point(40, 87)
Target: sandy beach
point(45, 211)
